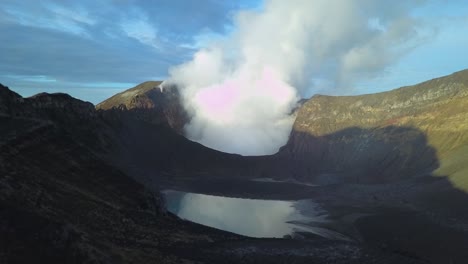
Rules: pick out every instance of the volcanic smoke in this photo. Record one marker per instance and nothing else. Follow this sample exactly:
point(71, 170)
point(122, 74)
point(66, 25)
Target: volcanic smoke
point(241, 89)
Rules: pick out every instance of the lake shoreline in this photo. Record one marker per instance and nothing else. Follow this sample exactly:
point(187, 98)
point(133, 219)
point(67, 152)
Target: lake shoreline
point(358, 212)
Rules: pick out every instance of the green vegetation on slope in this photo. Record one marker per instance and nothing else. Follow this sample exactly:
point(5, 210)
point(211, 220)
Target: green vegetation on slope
point(437, 109)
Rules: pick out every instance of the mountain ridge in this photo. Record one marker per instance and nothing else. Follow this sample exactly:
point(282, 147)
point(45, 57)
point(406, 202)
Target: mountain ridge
point(91, 179)
point(63, 199)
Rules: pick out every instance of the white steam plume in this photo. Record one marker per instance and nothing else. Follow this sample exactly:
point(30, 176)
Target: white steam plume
point(241, 90)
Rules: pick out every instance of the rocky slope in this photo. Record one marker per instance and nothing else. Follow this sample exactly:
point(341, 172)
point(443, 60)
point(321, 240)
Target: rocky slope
point(385, 137)
point(148, 102)
point(63, 199)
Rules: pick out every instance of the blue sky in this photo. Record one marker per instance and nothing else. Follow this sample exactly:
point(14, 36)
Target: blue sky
point(94, 49)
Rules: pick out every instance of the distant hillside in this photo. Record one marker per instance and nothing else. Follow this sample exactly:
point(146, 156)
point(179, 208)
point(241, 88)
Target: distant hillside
point(147, 101)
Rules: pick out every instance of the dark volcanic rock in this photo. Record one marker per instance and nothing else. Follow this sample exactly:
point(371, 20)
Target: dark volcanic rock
point(43, 105)
point(60, 101)
point(8, 100)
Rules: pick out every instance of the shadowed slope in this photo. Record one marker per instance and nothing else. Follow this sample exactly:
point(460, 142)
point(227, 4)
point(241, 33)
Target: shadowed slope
point(405, 149)
point(349, 133)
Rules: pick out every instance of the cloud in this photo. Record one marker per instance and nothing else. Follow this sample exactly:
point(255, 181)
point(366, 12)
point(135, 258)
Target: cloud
point(74, 62)
point(141, 30)
point(203, 39)
point(83, 41)
point(77, 43)
point(242, 89)
point(30, 78)
point(48, 15)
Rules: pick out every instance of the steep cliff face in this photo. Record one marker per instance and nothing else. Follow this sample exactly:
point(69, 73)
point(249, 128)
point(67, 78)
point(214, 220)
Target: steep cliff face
point(386, 136)
point(149, 102)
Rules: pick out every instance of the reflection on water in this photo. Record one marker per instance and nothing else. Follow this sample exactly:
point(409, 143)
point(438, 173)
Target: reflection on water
point(271, 180)
point(255, 218)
